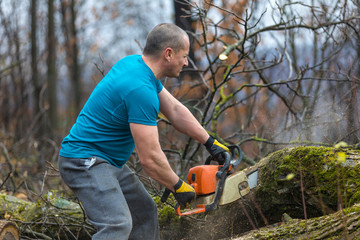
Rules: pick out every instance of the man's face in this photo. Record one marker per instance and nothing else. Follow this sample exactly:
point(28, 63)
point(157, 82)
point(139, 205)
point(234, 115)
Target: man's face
point(179, 60)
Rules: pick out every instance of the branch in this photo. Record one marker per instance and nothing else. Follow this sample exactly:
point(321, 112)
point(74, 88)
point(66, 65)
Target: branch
point(284, 26)
point(10, 67)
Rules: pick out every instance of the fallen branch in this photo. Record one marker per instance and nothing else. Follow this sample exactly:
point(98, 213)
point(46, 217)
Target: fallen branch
point(50, 216)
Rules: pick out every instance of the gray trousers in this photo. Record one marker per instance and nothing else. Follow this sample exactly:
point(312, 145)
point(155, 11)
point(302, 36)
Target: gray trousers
point(114, 199)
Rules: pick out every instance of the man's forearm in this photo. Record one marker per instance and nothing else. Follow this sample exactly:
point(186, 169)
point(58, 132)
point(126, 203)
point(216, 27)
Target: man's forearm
point(152, 158)
point(158, 168)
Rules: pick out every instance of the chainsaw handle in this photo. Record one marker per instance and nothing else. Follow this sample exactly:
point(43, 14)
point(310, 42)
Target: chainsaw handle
point(234, 162)
point(233, 149)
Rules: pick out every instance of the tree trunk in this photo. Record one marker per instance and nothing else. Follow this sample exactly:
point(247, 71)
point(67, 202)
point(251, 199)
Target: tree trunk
point(75, 66)
point(51, 64)
point(344, 224)
point(182, 19)
point(34, 69)
point(69, 17)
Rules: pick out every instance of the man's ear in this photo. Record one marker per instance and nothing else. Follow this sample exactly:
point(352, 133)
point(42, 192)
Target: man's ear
point(168, 54)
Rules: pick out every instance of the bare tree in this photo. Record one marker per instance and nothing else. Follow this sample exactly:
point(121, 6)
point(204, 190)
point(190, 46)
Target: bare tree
point(35, 78)
point(51, 64)
point(69, 17)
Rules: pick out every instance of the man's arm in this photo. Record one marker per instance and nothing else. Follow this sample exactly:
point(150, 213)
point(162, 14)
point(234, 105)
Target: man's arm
point(181, 118)
point(152, 158)
point(156, 165)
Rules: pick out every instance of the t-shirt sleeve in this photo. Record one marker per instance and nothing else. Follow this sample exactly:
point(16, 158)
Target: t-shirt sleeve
point(143, 106)
point(159, 86)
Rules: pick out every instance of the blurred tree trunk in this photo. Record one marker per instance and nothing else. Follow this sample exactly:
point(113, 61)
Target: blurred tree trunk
point(75, 67)
point(5, 94)
point(69, 16)
point(34, 69)
point(51, 64)
point(183, 20)
point(350, 92)
point(13, 104)
point(354, 116)
point(21, 108)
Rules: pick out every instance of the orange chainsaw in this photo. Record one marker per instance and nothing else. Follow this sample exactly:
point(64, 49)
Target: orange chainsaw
point(215, 184)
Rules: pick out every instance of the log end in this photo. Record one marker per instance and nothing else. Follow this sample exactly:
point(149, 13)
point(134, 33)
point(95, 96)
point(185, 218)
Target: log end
point(8, 230)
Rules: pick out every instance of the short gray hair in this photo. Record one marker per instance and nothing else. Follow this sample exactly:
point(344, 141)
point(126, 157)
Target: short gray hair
point(163, 36)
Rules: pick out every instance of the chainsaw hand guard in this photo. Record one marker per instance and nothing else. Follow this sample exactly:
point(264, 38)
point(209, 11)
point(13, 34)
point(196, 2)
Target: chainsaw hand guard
point(199, 209)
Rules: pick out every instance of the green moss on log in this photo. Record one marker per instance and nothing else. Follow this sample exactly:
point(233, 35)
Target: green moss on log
point(51, 215)
point(329, 177)
point(13, 207)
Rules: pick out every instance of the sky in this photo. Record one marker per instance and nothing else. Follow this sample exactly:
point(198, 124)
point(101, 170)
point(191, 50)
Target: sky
point(122, 35)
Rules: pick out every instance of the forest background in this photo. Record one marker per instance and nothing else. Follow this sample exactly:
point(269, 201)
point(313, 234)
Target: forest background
point(263, 75)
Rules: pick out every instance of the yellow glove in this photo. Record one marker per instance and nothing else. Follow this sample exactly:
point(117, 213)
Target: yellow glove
point(184, 193)
point(216, 149)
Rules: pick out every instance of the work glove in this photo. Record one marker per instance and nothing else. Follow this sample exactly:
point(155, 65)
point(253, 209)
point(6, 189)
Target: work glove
point(184, 193)
point(216, 149)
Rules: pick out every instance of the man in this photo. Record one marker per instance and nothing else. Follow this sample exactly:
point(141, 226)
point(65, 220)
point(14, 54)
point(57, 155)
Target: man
point(119, 115)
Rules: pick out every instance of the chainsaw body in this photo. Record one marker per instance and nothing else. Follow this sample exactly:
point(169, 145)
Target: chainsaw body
point(217, 184)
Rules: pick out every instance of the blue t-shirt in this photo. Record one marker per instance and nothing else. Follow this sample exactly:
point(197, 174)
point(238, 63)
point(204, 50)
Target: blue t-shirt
point(127, 94)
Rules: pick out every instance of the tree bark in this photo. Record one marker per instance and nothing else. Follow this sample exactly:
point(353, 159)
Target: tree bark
point(51, 64)
point(344, 224)
point(34, 69)
point(183, 20)
point(69, 17)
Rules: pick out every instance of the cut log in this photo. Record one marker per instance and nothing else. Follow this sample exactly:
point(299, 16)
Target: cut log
point(8, 230)
point(344, 224)
point(308, 181)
